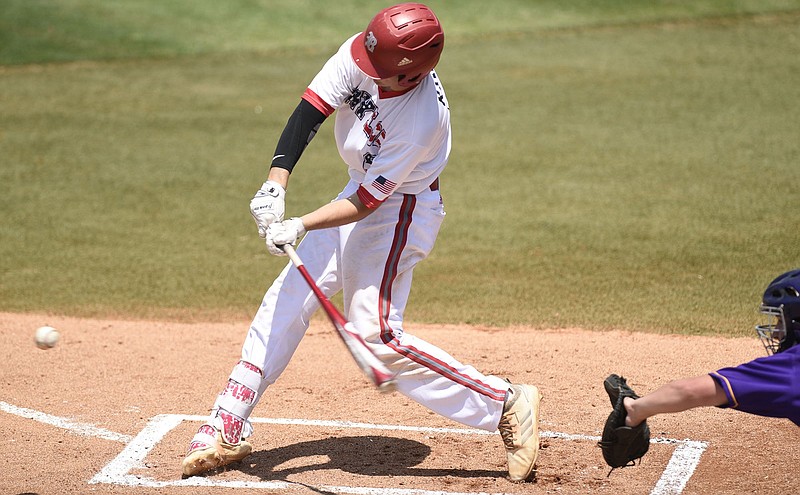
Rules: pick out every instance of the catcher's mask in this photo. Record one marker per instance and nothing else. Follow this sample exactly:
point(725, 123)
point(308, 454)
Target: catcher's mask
point(781, 305)
point(404, 40)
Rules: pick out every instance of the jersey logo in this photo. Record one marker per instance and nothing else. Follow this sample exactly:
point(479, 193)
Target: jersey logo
point(360, 103)
point(374, 131)
point(375, 134)
point(367, 161)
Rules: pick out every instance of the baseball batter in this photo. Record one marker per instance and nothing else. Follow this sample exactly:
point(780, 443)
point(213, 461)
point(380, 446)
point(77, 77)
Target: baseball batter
point(392, 129)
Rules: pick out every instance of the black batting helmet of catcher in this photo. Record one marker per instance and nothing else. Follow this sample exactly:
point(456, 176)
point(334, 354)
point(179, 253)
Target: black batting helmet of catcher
point(403, 40)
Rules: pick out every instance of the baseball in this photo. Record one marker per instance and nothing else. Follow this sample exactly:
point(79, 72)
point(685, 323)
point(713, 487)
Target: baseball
point(46, 337)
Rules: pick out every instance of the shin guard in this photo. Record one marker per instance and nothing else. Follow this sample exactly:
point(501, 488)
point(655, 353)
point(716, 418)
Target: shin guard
point(236, 402)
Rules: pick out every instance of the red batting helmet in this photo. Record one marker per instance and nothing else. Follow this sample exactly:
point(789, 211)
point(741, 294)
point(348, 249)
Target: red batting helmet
point(405, 39)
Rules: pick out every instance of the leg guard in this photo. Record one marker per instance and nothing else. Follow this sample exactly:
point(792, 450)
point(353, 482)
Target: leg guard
point(236, 402)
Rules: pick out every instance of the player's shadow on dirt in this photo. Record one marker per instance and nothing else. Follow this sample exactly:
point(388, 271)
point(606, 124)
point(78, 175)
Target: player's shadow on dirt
point(367, 455)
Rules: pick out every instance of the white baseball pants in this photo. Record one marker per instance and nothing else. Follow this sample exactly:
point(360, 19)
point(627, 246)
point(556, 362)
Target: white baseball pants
point(371, 262)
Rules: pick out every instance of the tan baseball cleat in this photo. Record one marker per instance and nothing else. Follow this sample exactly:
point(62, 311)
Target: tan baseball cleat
point(519, 427)
point(208, 451)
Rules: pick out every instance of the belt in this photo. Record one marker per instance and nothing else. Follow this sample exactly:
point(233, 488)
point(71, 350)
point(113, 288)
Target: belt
point(435, 185)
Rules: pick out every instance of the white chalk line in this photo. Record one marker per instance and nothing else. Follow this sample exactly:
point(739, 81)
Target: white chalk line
point(373, 426)
point(679, 469)
point(75, 427)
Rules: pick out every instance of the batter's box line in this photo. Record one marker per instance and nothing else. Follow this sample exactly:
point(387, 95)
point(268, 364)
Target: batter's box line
point(680, 468)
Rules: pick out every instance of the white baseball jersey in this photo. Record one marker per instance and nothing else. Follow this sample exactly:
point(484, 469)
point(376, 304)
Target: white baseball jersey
point(395, 146)
point(391, 142)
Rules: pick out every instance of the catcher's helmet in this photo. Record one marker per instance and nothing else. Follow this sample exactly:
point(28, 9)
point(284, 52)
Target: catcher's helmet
point(781, 303)
point(403, 40)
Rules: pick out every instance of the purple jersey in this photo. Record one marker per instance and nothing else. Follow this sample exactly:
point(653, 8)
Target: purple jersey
point(766, 386)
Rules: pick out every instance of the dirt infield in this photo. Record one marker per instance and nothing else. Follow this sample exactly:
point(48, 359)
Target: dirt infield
point(111, 408)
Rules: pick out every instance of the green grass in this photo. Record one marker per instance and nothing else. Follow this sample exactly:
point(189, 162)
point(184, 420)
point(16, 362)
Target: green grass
point(615, 165)
point(36, 31)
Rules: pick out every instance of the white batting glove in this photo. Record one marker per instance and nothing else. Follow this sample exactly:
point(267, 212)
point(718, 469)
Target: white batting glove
point(268, 206)
point(286, 232)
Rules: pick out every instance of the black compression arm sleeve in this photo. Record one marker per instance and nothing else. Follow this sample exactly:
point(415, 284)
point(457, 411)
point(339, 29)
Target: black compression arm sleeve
point(299, 131)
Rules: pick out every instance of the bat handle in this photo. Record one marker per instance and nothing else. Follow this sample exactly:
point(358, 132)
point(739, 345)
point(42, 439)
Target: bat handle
point(290, 252)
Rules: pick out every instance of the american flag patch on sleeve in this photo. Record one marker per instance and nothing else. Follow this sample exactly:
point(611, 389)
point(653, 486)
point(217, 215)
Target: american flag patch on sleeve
point(384, 185)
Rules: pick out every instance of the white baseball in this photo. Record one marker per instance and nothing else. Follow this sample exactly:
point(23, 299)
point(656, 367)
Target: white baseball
point(46, 337)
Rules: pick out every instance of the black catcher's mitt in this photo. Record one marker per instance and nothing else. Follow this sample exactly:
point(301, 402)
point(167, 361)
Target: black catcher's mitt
point(622, 445)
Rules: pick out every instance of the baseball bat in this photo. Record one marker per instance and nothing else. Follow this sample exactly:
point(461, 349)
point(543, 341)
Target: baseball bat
point(358, 348)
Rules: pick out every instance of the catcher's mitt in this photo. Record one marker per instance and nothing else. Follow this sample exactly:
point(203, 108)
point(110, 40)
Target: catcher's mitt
point(622, 445)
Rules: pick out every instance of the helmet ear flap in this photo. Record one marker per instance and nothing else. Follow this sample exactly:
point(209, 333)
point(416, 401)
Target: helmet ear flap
point(792, 334)
point(405, 81)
